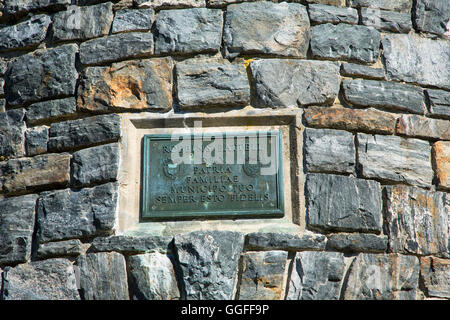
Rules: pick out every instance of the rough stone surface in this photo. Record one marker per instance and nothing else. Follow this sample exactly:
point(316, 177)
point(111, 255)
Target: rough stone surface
point(36, 139)
point(360, 71)
point(12, 134)
point(304, 82)
point(411, 58)
point(82, 23)
point(388, 21)
point(2, 105)
point(19, 175)
point(169, 3)
point(203, 83)
point(72, 247)
point(20, 6)
point(357, 242)
point(3, 66)
point(88, 212)
point(439, 103)
point(316, 276)
point(133, 20)
point(365, 120)
point(423, 127)
point(130, 85)
point(383, 94)
point(343, 203)
point(441, 161)
point(345, 42)
point(42, 74)
point(393, 5)
point(264, 27)
point(52, 279)
point(383, 277)
point(282, 241)
point(338, 3)
point(25, 34)
point(16, 228)
point(327, 150)
point(152, 277)
point(433, 16)
point(116, 47)
point(132, 245)
point(96, 165)
point(51, 110)
point(262, 275)
point(320, 13)
point(434, 272)
point(103, 276)
point(416, 220)
point(84, 132)
point(209, 262)
point(394, 159)
point(188, 30)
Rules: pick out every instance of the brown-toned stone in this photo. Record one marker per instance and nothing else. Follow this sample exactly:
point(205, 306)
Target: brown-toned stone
point(364, 120)
point(435, 274)
point(423, 127)
point(18, 175)
point(416, 220)
point(441, 158)
point(129, 85)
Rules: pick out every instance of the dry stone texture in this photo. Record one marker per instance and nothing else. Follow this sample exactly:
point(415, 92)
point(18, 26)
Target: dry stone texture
point(441, 158)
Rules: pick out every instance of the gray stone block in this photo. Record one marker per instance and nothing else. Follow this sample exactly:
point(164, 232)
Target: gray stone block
point(345, 42)
point(12, 134)
point(327, 150)
point(133, 20)
point(116, 47)
point(384, 94)
point(388, 21)
point(68, 214)
point(52, 279)
point(188, 30)
point(130, 245)
point(22, 6)
point(316, 276)
point(432, 16)
point(383, 277)
point(84, 132)
point(411, 58)
point(103, 276)
point(357, 242)
point(25, 34)
point(169, 4)
point(42, 74)
point(152, 277)
point(393, 158)
point(211, 83)
point(439, 102)
point(51, 110)
point(361, 71)
point(16, 228)
point(36, 139)
point(393, 5)
point(320, 13)
point(82, 23)
point(209, 262)
point(304, 82)
point(96, 165)
point(70, 248)
point(282, 29)
point(434, 272)
point(340, 203)
point(283, 241)
point(416, 220)
point(262, 275)
point(412, 125)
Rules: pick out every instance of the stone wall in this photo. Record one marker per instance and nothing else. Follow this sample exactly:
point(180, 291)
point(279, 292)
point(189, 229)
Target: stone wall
point(371, 76)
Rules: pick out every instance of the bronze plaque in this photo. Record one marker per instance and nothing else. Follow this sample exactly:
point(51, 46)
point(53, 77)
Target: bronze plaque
point(212, 175)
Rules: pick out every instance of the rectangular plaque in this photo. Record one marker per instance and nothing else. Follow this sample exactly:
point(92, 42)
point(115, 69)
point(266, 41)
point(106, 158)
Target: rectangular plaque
point(212, 175)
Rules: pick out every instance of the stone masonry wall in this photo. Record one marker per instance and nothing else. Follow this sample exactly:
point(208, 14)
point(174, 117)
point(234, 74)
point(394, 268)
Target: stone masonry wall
point(373, 79)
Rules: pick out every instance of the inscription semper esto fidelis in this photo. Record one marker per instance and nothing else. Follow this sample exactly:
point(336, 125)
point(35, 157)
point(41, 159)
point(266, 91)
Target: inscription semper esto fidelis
point(212, 175)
